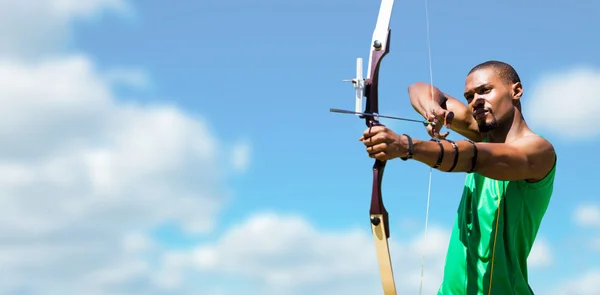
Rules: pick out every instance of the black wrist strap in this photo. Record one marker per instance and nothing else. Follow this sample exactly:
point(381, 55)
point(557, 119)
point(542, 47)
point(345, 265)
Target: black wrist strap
point(455, 146)
point(474, 160)
point(411, 149)
point(441, 157)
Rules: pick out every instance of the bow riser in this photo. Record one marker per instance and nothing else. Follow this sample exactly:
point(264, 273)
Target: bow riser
point(380, 50)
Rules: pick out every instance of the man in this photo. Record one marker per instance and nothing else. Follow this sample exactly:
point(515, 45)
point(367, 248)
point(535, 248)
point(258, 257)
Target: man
point(509, 182)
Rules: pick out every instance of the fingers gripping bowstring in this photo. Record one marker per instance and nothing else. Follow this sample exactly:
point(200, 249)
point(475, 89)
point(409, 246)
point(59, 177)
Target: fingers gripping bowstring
point(434, 135)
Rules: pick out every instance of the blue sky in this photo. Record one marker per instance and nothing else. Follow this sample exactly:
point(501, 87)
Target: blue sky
point(188, 148)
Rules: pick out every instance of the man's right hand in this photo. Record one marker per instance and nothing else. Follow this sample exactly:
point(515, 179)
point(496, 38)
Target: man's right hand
point(441, 117)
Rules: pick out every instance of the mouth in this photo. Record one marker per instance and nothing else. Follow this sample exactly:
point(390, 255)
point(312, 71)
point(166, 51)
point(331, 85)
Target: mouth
point(480, 113)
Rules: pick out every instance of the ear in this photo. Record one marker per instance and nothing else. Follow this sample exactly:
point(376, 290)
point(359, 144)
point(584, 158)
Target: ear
point(517, 91)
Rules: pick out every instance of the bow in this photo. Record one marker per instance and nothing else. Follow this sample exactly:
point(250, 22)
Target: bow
point(368, 88)
point(378, 213)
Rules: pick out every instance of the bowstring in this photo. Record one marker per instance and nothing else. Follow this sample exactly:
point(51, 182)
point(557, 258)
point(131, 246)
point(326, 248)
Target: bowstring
point(434, 135)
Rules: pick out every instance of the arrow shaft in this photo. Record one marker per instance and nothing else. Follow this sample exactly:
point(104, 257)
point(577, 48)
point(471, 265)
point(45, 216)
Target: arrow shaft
point(378, 116)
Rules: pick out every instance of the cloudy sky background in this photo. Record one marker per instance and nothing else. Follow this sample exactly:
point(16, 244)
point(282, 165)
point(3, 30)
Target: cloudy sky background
point(185, 147)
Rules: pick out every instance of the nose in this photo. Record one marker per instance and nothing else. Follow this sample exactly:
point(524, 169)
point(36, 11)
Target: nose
point(478, 101)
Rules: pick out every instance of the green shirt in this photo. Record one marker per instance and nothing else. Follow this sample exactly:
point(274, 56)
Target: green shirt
point(471, 249)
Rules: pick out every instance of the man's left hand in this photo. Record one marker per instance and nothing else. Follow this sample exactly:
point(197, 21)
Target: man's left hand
point(383, 144)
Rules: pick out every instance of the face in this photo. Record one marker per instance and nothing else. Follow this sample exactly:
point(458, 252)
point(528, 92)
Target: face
point(490, 98)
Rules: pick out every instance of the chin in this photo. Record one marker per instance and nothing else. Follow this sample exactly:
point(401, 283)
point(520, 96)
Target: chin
point(487, 123)
point(487, 126)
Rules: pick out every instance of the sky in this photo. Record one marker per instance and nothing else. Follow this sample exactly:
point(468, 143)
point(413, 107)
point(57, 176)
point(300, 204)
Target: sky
point(186, 147)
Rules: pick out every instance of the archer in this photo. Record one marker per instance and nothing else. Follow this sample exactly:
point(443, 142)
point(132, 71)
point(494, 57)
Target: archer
point(509, 182)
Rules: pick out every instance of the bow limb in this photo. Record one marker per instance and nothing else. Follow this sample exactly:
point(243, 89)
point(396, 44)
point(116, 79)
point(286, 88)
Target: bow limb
point(378, 213)
point(381, 231)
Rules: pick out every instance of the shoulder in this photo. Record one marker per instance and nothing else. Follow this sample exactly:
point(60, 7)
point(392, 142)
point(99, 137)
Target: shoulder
point(532, 139)
point(539, 153)
point(534, 145)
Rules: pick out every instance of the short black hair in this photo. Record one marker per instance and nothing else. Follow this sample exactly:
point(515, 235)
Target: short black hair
point(506, 71)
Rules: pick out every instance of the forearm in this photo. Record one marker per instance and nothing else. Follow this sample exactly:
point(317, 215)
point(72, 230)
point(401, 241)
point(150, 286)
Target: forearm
point(421, 97)
point(428, 152)
point(497, 161)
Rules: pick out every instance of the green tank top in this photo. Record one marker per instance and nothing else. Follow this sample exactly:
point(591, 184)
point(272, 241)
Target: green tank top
point(469, 268)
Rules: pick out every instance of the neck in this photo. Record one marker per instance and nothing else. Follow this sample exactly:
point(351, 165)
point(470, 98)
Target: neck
point(515, 127)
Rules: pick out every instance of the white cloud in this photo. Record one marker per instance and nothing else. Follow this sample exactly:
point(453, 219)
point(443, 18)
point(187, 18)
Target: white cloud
point(586, 283)
point(241, 157)
point(279, 253)
point(588, 215)
point(541, 254)
point(83, 176)
point(34, 28)
point(61, 129)
point(564, 102)
point(128, 77)
point(595, 244)
point(70, 8)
